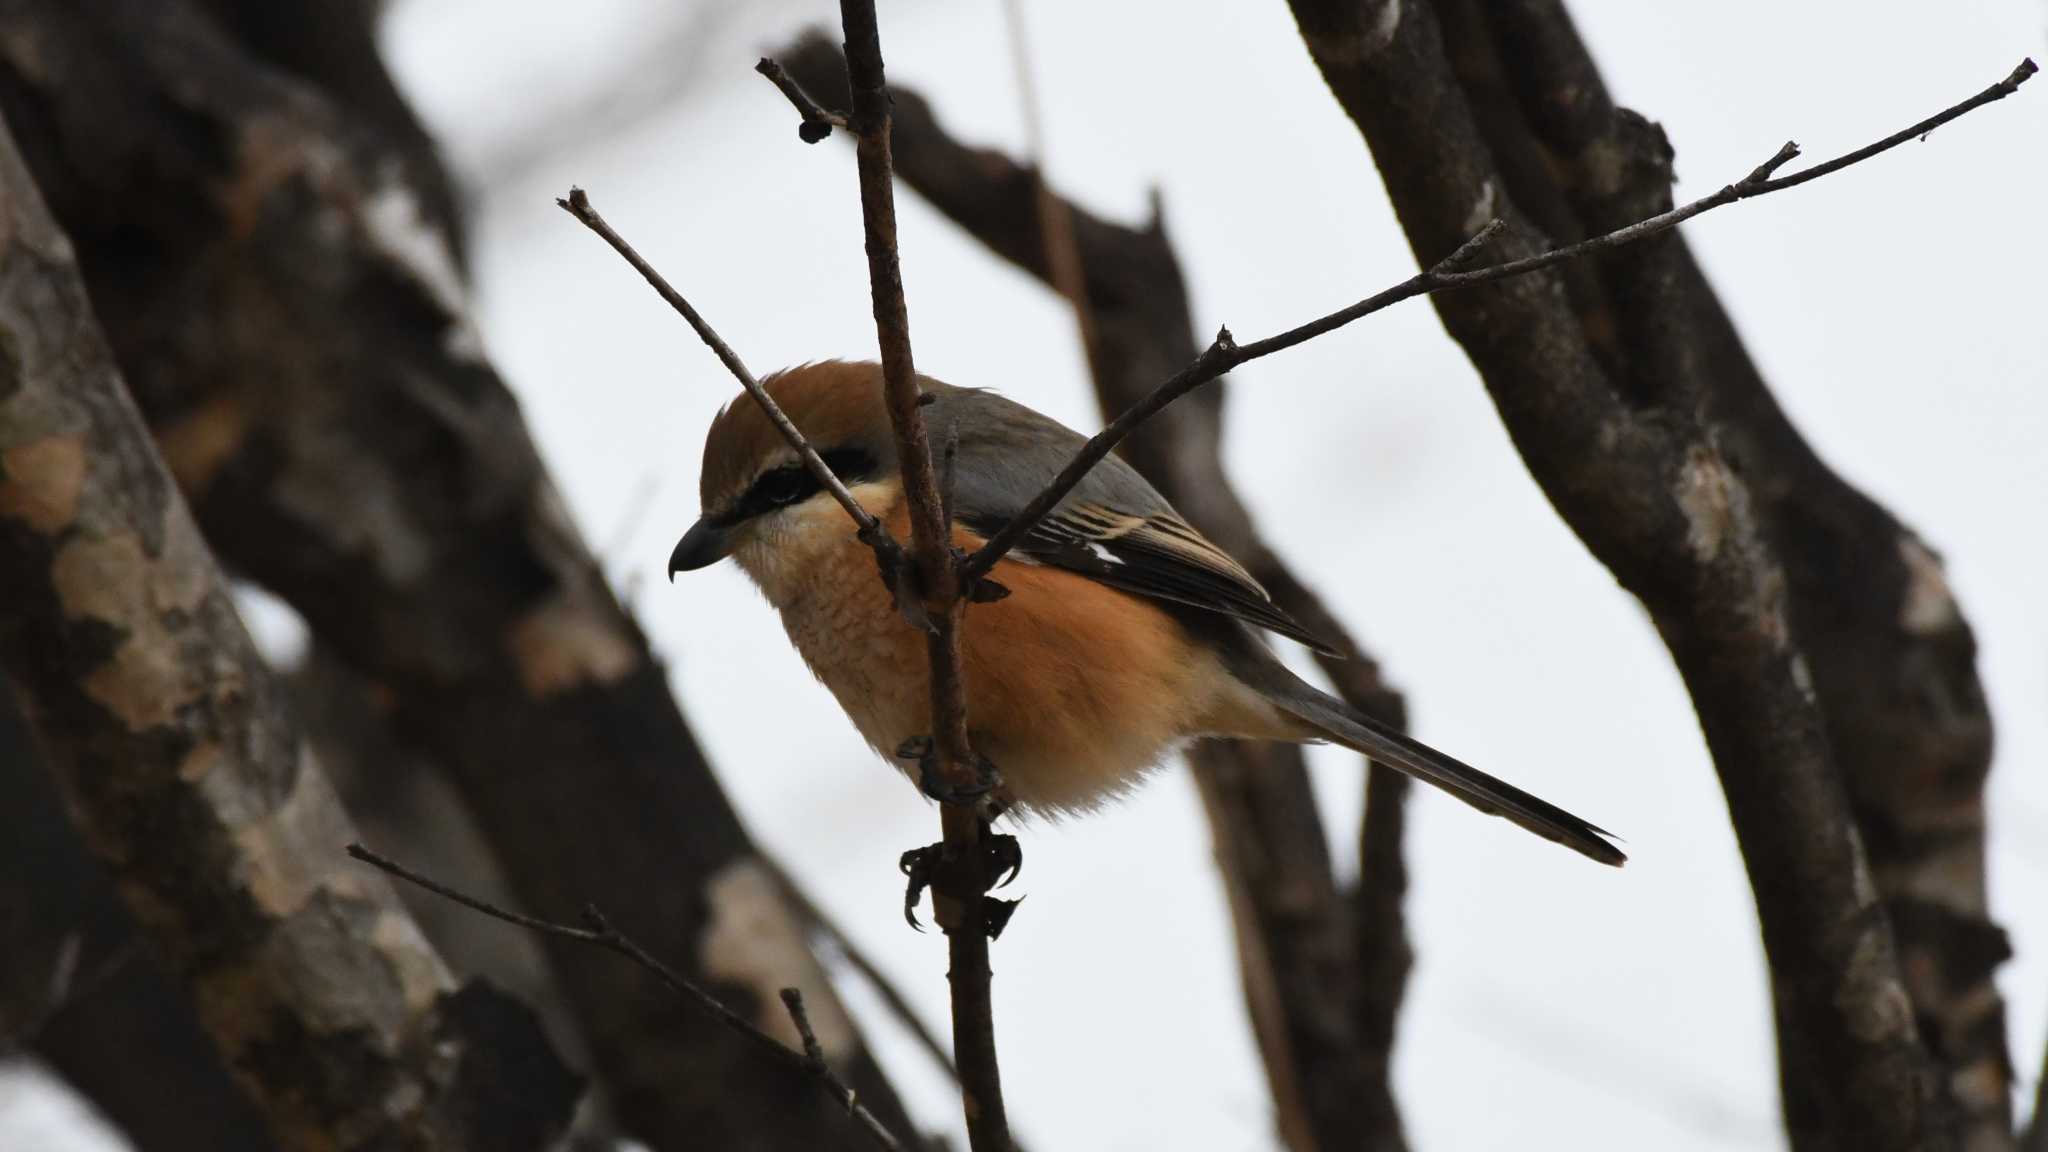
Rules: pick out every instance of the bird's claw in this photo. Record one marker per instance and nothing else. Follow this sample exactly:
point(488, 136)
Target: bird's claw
point(995, 914)
point(917, 867)
point(1005, 859)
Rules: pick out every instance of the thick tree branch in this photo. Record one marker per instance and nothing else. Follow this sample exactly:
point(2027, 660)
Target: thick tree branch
point(298, 339)
point(171, 744)
point(81, 990)
point(1892, 656)
point(1646, 486)
point(600, 932)
point(1308, 972)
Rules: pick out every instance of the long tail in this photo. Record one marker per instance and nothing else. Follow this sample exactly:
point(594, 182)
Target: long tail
point(1360, 733)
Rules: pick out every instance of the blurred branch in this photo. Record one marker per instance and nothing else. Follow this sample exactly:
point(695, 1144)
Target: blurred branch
point(298, 338)
point(395, 794)
point(599, 931)
point(871, 973)
point(673, 49)
point(1644, 482)
point(2035, 1138)
point(81, 991)
point(1893, 659)
point(332, 46)
point(168, 737)
point(1304, 964)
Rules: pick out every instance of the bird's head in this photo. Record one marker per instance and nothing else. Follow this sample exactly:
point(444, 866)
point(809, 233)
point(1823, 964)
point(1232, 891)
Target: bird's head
point(761, 506)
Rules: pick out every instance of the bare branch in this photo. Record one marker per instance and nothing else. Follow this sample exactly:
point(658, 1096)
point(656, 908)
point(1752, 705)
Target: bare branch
point(817, 123)
point(878, 981)
point(600, 933)
point(962, 911)
point(1225, 353)
point(578, 204)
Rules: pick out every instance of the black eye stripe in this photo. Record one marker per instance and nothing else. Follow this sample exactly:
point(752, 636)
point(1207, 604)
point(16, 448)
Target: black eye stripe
point(793, 483)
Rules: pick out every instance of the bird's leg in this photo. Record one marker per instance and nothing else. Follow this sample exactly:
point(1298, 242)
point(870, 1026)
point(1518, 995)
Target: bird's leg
point(933, 783)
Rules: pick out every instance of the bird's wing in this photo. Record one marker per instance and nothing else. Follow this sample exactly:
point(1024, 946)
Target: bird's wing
point(1114, 527)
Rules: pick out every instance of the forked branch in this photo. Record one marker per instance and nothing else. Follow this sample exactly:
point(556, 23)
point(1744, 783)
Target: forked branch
point(1225, 353)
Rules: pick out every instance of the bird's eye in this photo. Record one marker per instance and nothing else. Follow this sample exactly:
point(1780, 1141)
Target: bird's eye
point(785, 486)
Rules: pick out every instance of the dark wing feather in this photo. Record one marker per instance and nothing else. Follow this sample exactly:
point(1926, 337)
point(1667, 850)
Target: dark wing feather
point(1114, 527)
point(1158, 556)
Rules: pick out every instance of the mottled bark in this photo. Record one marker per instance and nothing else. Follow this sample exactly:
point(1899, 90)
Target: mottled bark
point(1324, 1026)
point(83, 993)
point(1645, 482)
point(296, 336)
point(1893, 659)
point(331, 45)
point(169, 740)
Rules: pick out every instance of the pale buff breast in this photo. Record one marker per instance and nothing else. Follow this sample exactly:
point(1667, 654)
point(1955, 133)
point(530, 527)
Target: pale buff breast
point(1074, 689)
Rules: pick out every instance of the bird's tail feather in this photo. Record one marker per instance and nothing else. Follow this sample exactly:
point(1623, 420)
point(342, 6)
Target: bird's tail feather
point(1344, 725)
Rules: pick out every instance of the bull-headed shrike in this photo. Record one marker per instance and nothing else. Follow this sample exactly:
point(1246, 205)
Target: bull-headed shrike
point(1125, 633)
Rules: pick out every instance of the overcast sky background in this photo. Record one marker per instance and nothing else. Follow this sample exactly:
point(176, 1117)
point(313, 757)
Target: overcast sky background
point(1896, 307)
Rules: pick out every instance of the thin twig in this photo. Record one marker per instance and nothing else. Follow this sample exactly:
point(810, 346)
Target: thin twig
point(877, 980)
point(817, 123)
point(814, 1052)
point(1225, 353)
point(578, 205)
point(963, 878)
point(599, 932)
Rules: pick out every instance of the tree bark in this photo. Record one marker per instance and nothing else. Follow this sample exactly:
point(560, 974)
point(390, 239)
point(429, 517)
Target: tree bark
point(1642, 479)
point(169, 739)
point(298, 341)
point(1324, 1026)
point(1893, 659)
point(83, 993)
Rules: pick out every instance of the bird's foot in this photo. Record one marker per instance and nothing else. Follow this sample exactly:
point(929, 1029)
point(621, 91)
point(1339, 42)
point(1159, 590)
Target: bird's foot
point(931, 780)
point(927, 867)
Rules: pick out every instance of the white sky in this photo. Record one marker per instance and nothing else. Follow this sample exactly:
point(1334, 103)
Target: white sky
point(1896, 308)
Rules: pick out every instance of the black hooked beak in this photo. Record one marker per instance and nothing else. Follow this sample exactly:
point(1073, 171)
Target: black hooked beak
point(705, 544)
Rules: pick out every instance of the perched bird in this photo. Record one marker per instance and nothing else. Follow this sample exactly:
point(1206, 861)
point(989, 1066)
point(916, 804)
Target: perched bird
point(1125, 633)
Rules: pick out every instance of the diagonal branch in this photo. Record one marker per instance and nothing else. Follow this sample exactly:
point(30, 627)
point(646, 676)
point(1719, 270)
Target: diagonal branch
point(1645, 482)
point(1225, 353)
point(181, 766)
point(1893, 656)
point(816, 123)
point(577, 204)
point(599, 931)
